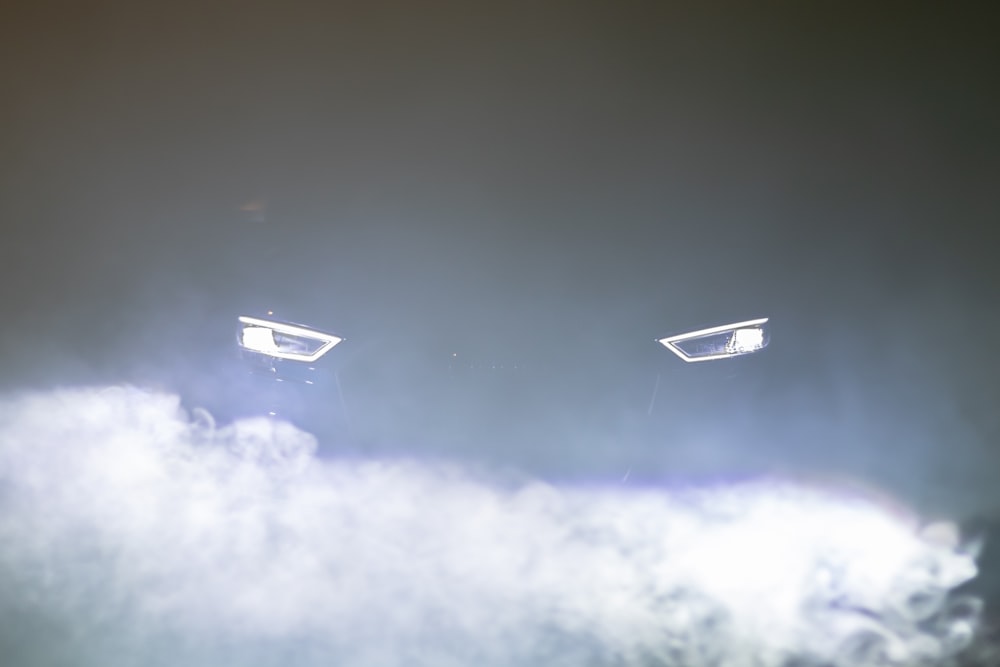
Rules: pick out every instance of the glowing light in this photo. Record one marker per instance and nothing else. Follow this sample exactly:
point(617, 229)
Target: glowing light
point(259, 339)
point(285, 341)
point(721, 342)
point(746, 340)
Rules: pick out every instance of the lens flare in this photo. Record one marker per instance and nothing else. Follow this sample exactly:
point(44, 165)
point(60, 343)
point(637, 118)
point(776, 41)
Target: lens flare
point(133, 534)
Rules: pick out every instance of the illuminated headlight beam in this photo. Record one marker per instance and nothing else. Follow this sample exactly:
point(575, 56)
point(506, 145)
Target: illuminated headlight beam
point(284, 341)
point(720, 342)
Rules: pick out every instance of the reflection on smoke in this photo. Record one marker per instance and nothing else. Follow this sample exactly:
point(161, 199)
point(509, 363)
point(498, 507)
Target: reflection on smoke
point(132, 534)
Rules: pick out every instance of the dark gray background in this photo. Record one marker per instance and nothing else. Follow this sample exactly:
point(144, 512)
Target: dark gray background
point(837, 164)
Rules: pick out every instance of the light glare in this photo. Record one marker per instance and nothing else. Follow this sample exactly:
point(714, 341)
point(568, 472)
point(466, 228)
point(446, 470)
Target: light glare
point(258, 336)
point(746, 340)
point(746, 337)
point(259, 339)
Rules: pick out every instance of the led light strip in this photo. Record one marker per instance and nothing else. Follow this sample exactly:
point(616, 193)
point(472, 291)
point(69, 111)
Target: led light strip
point(670, 341)
point(329, 340)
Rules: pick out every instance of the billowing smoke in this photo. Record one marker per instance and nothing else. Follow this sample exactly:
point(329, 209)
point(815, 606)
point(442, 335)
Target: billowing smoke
point(132, 533)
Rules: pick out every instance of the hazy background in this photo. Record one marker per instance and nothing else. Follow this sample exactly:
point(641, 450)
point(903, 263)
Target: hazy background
point(644, 162)
point(658, 163)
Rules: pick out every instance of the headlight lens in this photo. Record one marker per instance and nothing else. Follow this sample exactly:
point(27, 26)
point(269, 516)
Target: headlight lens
point(721, 342)
point(284, 341)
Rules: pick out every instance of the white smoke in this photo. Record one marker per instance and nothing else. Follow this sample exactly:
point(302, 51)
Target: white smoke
point(133, 534)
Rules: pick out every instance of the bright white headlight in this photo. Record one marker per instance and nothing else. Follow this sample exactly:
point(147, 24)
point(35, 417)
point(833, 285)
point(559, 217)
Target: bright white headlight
point(284, 341)
point(745, 340)
point(721, 342)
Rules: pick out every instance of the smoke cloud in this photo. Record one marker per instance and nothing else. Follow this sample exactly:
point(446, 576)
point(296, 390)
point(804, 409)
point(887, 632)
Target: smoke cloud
point(133, 532)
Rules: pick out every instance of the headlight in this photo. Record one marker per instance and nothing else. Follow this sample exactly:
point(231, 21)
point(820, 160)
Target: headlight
point(284, 341)
point(721, 342)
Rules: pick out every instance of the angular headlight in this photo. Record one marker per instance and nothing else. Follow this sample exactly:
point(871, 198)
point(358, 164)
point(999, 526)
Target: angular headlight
point(284, 341)
point(721, 342)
